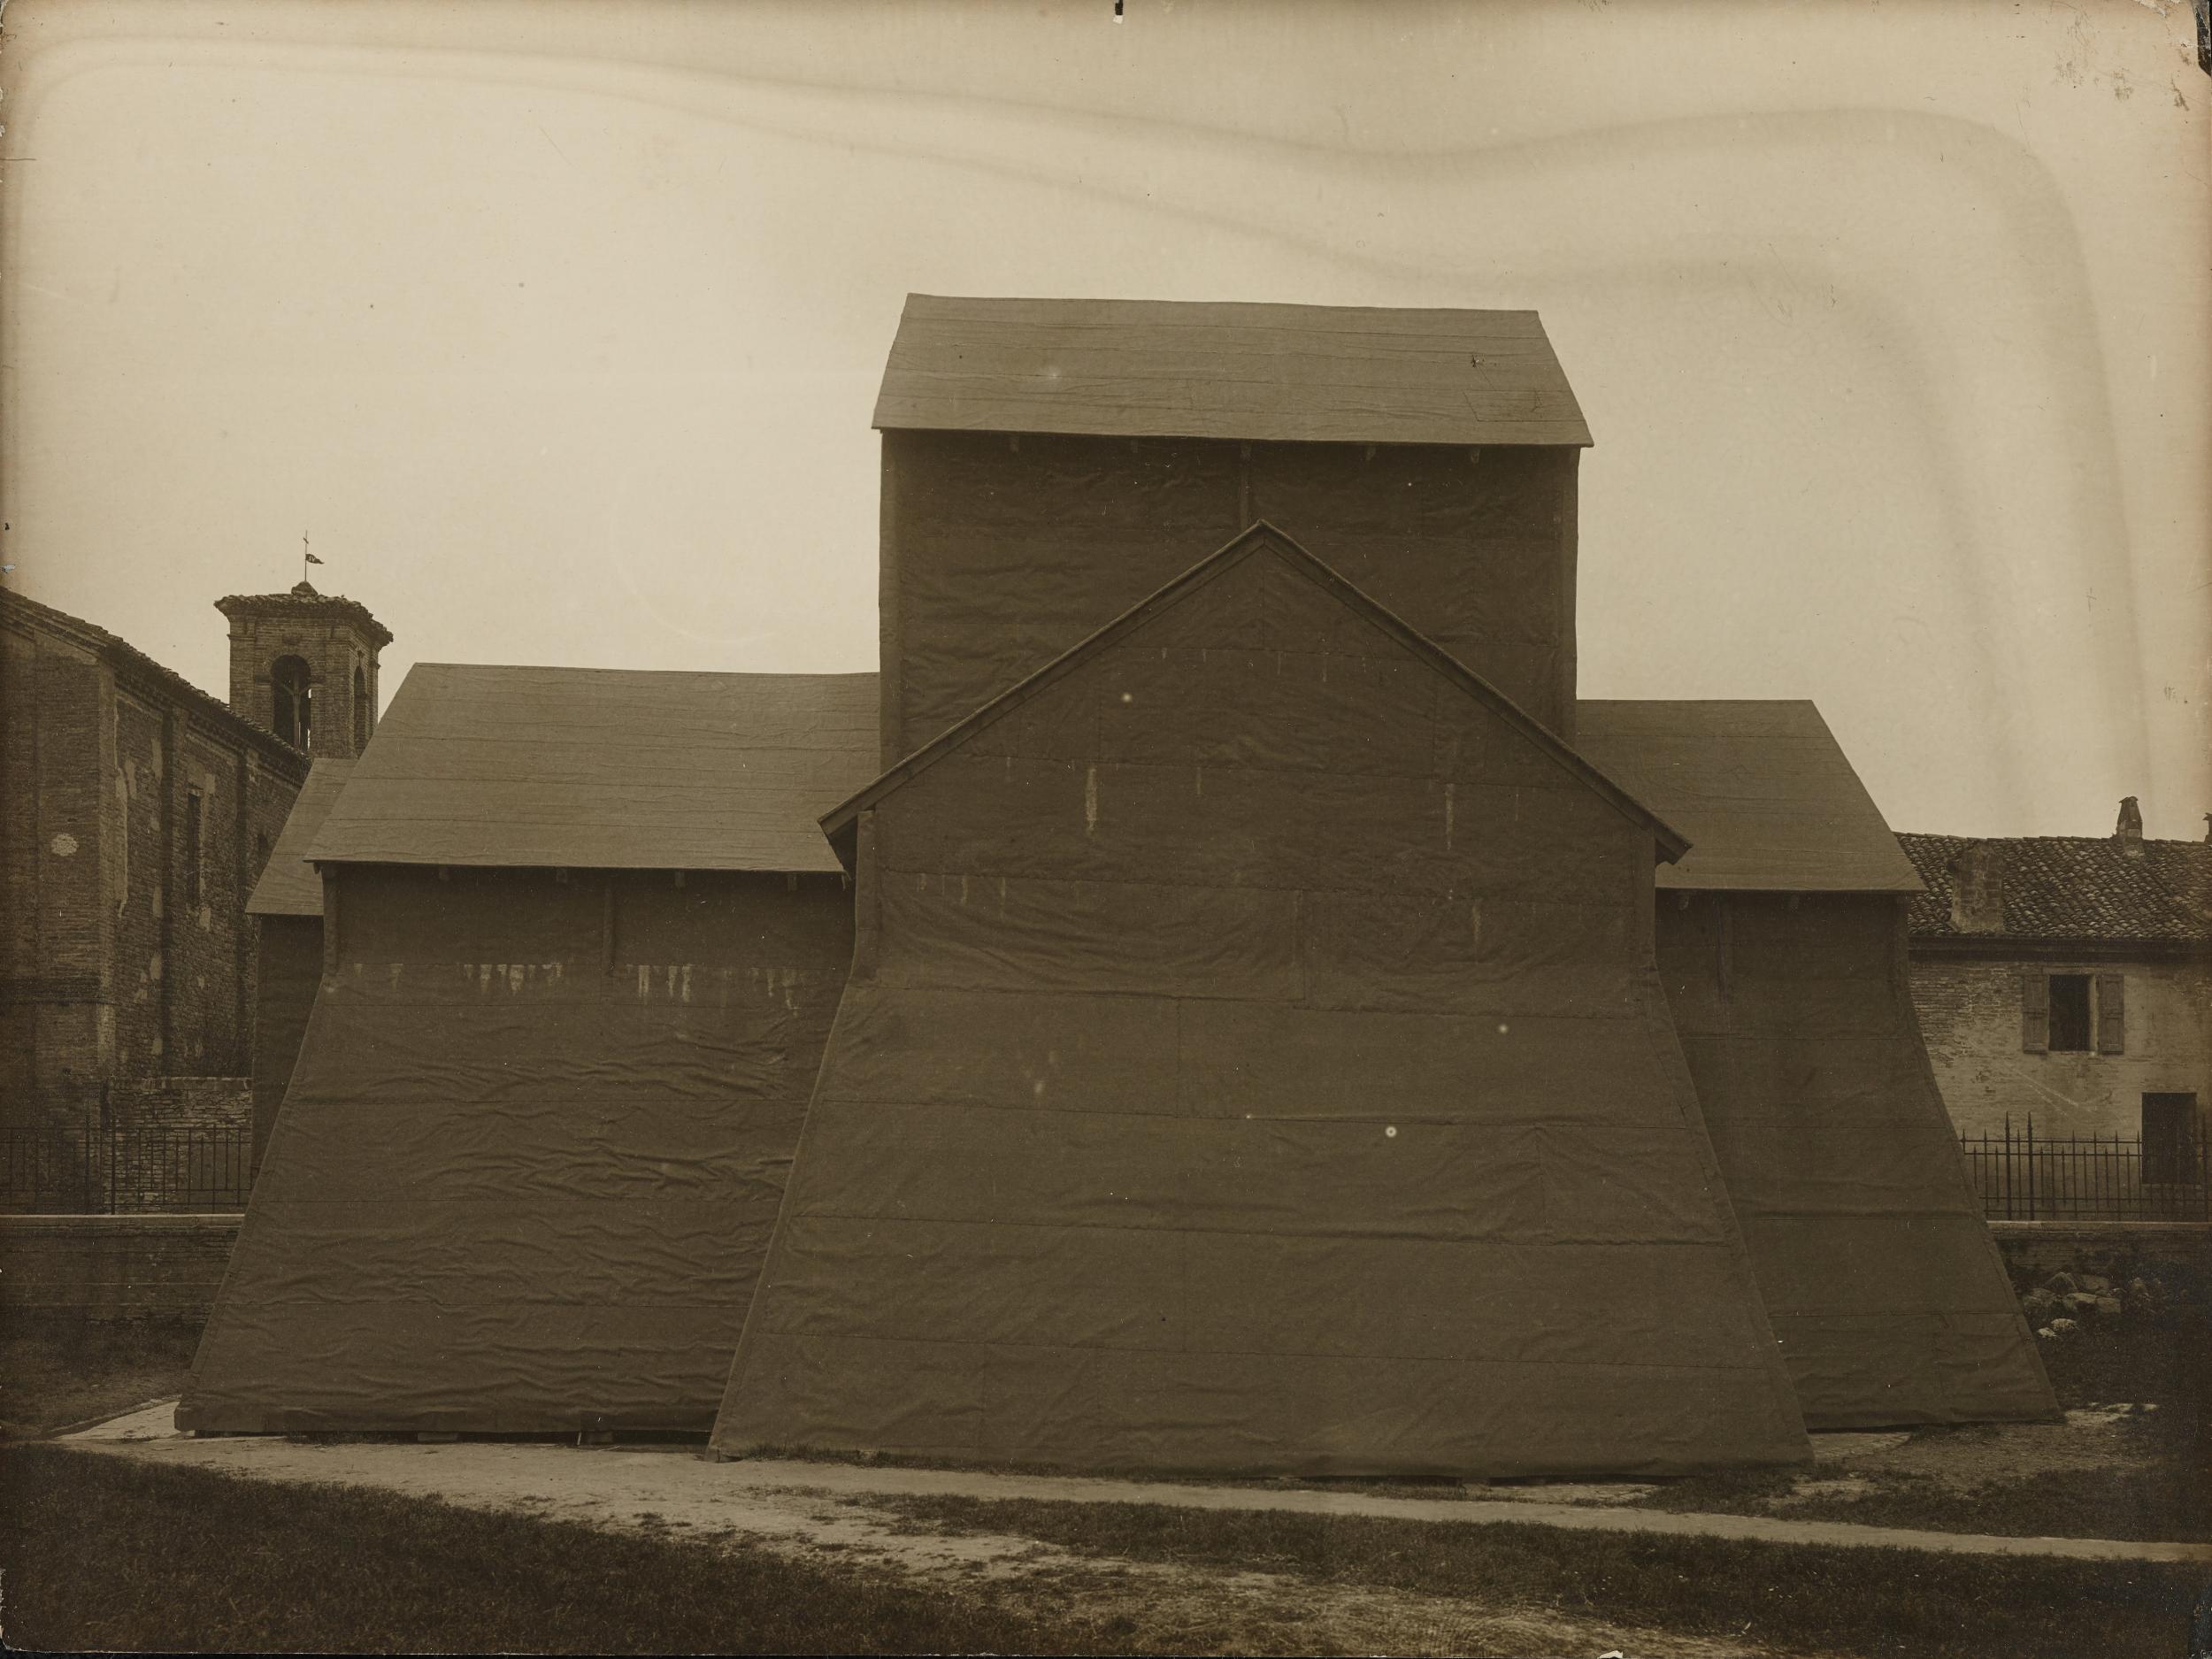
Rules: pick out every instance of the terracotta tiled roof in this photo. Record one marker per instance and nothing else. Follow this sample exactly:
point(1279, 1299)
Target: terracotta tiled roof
point(304, 602)
point(2073, 888)
point(121, 654)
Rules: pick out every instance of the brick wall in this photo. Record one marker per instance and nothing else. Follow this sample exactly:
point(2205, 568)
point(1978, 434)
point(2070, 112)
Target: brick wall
point(115, 971)
point(112, 1267)
point(1970, 1013)
point(53, 984)
point(332, 648)
point(210, 945)
point(138, 897)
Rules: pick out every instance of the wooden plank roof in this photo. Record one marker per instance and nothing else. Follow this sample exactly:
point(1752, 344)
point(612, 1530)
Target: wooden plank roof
point(289, 885)
point(588, 768)
point(1161, 368)
point(1765, 794)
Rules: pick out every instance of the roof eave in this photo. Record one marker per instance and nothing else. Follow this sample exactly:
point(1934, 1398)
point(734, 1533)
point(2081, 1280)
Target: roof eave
point(1575, 436)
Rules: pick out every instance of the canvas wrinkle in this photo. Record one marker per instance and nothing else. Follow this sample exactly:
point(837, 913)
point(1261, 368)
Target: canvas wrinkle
point(1184, 1293)
point(1233, 1412)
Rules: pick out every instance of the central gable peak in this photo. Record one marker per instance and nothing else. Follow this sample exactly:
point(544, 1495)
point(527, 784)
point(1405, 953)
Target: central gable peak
point(1278, 598)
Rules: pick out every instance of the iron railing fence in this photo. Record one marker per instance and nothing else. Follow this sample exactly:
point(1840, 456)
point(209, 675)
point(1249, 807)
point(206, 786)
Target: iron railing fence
point(61, 1171)
point(2025, 1176)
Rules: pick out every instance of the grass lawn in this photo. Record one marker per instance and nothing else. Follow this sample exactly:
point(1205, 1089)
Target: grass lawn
point(2168, 1499)
point(2160, 1488)
point(1873, 1603)
point(55, 1375)
point(2167, 1505)
point(104, 1553)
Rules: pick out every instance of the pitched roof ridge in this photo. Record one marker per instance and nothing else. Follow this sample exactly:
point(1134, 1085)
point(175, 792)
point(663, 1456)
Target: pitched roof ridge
point(1268, 372)
point(1256, 536)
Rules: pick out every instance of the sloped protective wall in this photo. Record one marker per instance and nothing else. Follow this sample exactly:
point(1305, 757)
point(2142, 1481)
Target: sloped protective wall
point(530, 1153)
point(290, 969)
point(999, 555)
point(1878, 1273)
point(1254, 1063)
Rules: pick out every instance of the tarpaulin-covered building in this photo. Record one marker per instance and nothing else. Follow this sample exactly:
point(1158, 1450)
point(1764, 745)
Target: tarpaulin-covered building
point(1043, 461)
point(1286, 1029)
point(581, 941)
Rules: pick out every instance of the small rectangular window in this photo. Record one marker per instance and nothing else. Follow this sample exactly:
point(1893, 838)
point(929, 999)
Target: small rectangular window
point(2170, 1141)
point(192, 881)
point(2069, 1013)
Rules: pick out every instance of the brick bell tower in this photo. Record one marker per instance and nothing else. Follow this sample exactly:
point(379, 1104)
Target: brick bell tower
point(303, 664)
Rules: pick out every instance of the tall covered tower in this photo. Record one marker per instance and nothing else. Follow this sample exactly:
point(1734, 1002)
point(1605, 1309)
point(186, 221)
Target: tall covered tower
point(303, 664)
point(1047, 464)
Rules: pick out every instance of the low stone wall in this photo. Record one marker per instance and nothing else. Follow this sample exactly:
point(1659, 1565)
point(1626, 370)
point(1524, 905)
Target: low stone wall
point(2169, 1251)
point(112, 1267)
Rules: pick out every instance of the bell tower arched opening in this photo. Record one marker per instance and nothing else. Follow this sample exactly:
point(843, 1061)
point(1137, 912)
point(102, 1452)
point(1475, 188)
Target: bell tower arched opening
point(292, 691)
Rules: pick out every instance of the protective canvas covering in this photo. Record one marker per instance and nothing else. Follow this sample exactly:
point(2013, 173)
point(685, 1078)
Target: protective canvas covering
point(998, 558)
point(529, 1156)
point(288, 967)
point(289, 885)
point(287, 905)
point(516, 1185)
point(1180, 368)
point(1252, 1063)
point(1884, 1287)
point(1766, 795)
point(1047, 464)
point(604, 768)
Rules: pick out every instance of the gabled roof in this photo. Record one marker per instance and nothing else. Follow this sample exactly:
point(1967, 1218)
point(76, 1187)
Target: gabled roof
point(1164, 368)
point(288, 884)
point(591, 768)
point(127, 660)
point(2073, 888)
point(1763, 789)
point(1261, 538)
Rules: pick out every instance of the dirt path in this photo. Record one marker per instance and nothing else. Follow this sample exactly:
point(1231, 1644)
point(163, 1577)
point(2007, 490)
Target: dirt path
point(820, 1512)
point(676, 1487)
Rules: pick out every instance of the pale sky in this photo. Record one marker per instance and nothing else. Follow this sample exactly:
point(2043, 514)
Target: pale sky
point(557, 325)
